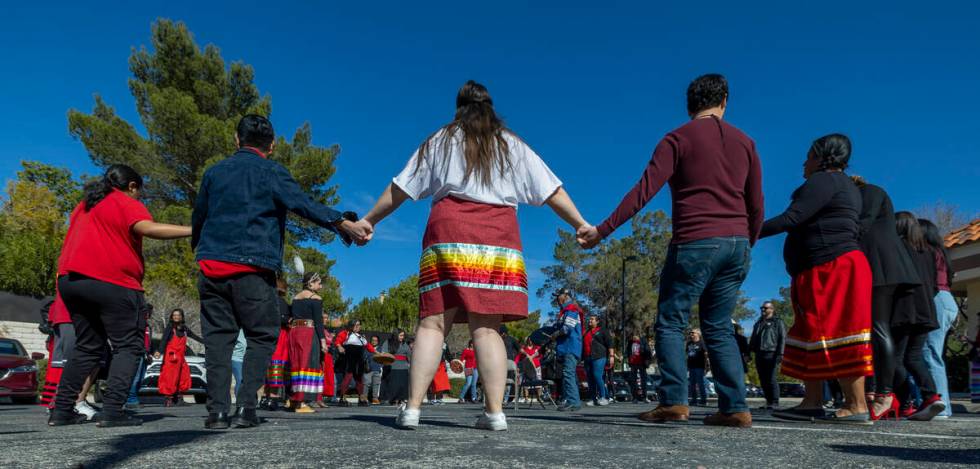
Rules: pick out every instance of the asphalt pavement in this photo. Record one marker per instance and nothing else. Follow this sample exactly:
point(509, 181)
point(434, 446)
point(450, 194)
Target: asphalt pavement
point(608, 436)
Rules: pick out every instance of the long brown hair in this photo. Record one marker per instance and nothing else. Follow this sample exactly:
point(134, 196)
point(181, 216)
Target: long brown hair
point(484, 146)
point(909, 229)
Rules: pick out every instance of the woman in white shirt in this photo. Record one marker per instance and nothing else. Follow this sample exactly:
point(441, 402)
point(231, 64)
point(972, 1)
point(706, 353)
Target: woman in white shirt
point(472, 270)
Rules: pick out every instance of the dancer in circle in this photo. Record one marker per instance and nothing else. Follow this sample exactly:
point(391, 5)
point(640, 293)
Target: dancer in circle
point(831, 287)
point(351, 344)
point(100, 279)
point(275, 377)
point(477, 172)
point(946, 311)
point(306, 345)
point(394, 377)
point(175, 374)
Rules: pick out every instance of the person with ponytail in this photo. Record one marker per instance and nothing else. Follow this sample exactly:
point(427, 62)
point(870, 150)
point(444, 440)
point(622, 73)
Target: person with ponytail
point(946, 311)
point(831, 285)
point(914, 318)
point(307, 345)
point(100, 279)
point(477, 172)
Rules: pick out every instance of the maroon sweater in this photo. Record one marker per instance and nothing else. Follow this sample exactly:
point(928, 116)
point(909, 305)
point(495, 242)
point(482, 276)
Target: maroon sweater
point(715, 182)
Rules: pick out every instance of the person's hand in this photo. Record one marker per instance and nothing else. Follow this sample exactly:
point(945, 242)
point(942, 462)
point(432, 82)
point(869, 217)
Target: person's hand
point(323, 344)
point(340, 348)
point(587, 236)
point(360, 231)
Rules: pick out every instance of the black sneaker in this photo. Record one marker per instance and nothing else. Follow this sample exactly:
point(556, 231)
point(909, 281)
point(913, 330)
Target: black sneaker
point(218, 421)
point(245, 418)
point(58, 419)
point(569, 408)
point(122, 420)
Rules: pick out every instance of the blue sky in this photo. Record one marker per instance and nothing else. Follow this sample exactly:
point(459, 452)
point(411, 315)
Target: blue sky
point(591, 88)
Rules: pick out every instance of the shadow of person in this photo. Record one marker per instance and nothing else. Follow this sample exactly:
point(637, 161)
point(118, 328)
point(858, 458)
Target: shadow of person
point(125, 447)
point(389, 421)
point(948, 456)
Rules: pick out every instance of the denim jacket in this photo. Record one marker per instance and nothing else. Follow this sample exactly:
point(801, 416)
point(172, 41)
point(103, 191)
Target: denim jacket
point(240, 212)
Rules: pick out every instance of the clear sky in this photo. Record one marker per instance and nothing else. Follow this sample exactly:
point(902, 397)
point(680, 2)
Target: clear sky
point(591, 88)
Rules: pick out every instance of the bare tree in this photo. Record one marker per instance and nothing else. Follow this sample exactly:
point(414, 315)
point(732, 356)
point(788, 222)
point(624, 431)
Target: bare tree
point(946, 216)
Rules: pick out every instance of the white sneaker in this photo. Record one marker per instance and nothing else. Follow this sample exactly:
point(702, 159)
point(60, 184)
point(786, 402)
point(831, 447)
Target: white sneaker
point(603, 402)
point(408, 418)
point(492, 422)
point(88, 411)
point(589, 403)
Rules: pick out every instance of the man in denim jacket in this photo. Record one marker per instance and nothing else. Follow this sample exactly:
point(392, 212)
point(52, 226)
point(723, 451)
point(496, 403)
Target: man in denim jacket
point(239, 222)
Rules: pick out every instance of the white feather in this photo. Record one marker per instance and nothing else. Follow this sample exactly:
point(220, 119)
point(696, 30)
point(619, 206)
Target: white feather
point(298, 264)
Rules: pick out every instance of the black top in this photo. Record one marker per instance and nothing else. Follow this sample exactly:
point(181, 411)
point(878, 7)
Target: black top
point(822, 221)
point(310, 308)
point(601, 341)
point(179, 331)
point(768, 336)
point(914, 307)
point(890, 262)
point(695, 354)
point(284, 313)
point(511, 346)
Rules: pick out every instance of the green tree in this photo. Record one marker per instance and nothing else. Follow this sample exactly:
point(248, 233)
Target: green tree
point(189, 102)
point(397, 306)
point(32, 228)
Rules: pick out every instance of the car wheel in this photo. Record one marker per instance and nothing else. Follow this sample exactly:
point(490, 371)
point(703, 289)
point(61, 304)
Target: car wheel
point(24, 400)
point(201, 399)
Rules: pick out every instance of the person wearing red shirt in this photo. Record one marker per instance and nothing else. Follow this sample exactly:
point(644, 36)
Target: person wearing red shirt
point(472, 374)
point(100, 276)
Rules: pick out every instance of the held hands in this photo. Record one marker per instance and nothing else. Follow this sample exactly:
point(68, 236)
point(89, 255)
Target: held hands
point(587, 236)
point(360, 231)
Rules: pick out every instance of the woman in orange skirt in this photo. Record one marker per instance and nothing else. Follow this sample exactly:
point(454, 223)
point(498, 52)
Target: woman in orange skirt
point(472, 269)
point(831, 287)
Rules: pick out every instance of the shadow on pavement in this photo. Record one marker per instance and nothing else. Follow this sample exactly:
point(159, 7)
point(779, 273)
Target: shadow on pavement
point(19, 432)
point(949, 456)
point(125, 447)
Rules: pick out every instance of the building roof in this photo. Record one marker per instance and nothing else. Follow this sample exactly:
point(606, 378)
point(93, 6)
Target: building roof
point(964, 235)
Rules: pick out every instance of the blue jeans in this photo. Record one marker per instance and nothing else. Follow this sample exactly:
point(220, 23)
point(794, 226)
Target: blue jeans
point(595, 371)
point(236, 371)
point(134, 389)
point(709, 272)
point(470, 387)
point(946, 311)
point(569, 381)
point(697, 391)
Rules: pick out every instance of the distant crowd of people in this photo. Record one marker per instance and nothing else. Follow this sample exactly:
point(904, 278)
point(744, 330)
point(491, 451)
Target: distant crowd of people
point(870, 288)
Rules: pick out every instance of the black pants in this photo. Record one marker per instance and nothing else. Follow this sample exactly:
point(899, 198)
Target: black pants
point(767, 363)
point(244, 302)
point(638, 372)
point(910, 345)
point(882, 341)
point(103, 314)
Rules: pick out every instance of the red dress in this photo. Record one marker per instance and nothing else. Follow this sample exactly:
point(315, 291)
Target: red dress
point(175, 375)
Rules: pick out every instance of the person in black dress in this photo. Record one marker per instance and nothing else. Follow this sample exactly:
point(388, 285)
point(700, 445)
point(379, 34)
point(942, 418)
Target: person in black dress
point(915, 317)
point(307, 344)
point(894, 280)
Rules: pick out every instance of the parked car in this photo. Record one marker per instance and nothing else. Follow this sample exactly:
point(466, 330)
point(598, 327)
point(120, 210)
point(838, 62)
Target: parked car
point(792, 390)
point(634, 383)
point(18, 372)
point(199, 378)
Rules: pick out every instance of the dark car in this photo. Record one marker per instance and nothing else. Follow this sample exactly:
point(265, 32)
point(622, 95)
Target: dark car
point(631, 382)
point(792, 390)
point(18, 372)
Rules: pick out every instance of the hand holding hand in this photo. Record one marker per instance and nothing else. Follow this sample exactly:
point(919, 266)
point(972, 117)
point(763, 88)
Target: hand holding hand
point(587, 236)
point(360, 231)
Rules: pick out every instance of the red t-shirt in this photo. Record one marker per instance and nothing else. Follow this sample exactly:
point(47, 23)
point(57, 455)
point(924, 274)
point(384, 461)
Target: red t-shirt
point(58, 314)
point(101, 243)
point(532, 352)
point(469, 358)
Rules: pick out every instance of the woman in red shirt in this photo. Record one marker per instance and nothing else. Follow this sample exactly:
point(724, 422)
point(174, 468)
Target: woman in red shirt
point(100, 276)
point(472, 374)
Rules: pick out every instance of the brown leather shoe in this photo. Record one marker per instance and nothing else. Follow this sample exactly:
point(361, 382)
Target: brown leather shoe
point(667, 413)
point(737, 419)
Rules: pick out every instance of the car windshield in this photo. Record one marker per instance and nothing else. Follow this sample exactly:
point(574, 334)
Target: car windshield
point(9, 347)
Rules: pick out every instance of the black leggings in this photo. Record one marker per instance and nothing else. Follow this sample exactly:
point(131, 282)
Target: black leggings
point(911, 346)
point(886, 357)
point(102, 313)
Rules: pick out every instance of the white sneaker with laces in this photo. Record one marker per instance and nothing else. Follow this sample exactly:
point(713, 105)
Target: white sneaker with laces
point(603, 401)
point(86, 410)
point(408, 418)
point(492, 422)
point(589, 403)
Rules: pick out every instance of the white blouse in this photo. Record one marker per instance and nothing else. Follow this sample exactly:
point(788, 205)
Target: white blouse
point(529, 181)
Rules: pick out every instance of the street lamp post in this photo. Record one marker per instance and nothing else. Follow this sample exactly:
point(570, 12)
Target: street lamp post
point(622, 325)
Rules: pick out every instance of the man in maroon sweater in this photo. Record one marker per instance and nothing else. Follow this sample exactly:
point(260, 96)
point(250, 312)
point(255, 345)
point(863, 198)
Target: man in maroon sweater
point(715, 184)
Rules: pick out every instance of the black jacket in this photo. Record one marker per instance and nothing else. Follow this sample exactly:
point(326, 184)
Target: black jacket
point(890, 262)
point(768, 336)
point(240, 211)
